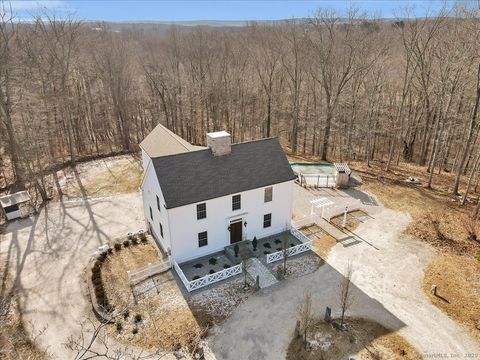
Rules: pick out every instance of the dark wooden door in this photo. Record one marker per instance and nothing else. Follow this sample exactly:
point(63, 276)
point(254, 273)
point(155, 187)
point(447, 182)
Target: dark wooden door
point(235, 232)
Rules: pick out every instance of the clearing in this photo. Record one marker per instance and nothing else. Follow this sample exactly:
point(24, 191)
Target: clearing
point(440, 220)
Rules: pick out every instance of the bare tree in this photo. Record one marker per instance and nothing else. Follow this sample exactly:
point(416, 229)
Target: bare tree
point(305, 315)
point(345, 298)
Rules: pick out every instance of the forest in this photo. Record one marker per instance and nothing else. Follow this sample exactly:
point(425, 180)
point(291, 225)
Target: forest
point(330, 87)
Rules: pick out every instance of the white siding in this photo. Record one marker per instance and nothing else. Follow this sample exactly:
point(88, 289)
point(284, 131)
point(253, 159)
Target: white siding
point(150, 191)
point(184, 226)
point(145, 160)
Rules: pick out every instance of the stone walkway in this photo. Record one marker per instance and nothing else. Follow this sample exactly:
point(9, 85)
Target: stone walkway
point(255, 267)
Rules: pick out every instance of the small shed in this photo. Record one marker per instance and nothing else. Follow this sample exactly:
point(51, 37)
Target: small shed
point(11, 205)
point(342, 174)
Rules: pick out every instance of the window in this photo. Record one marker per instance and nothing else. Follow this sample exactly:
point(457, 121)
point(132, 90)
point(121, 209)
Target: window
point(151, 213)
point(161, 230)
point(267, 220)
point(202, 239)
point(201, 211)
point(236, 202)
point(268, 194)
point(158, 204)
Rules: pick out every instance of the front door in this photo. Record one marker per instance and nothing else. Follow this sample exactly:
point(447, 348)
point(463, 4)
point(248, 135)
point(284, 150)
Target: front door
point(236, 232)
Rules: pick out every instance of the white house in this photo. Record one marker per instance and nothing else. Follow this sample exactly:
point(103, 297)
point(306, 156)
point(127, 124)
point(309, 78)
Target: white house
point(199, 200)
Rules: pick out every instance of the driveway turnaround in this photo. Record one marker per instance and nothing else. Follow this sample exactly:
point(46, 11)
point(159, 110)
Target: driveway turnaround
point(47, 255)
point(388, 272)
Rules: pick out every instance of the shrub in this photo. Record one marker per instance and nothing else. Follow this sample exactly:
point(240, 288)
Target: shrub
point(279, 249)
point(119, 325)
point(97, 281)
point(277, 241)
point(212, 261)
point(267, 245)
point(110, 251)
point(196, 277)
point(102, 257)
point(211, 271)
point(135, 241)
point(126, 314)
point(255, 243)
point(266, 252)
point(138, 317)
point(126, 243)
point(96, 270)
point(292, 245)
point(135, 330)
point(117, 246)
point(198, 266)
point(226, 266)
point(236, 249)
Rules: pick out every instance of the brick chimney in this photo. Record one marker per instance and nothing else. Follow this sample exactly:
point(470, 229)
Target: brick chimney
point(219, 142)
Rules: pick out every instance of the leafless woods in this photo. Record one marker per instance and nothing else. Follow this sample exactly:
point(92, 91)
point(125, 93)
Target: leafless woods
point(340, 88)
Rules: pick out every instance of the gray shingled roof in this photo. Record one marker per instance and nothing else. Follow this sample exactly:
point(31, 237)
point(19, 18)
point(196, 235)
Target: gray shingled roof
point(197, 176)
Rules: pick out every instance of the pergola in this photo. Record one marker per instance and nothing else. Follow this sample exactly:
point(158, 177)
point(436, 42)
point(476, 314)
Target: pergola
point(10, 204)
point(319, 203)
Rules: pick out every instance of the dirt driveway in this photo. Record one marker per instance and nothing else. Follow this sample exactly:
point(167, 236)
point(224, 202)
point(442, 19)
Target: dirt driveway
point(48, 253)
point(388, 275)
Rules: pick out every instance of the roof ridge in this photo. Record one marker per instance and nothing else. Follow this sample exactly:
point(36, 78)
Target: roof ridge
point(176, 137)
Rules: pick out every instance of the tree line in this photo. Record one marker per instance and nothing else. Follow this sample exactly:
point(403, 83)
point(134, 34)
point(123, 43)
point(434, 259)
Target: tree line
point(338, 88)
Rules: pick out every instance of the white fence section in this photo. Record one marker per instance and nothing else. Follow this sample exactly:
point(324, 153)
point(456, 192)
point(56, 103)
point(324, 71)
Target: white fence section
point(332, 211)
point(207, 279)
point(317, 180)
point(294, 250)
point(148, 271)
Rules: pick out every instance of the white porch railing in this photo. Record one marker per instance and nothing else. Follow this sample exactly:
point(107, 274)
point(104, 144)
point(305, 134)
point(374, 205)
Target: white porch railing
point(148, 271)
point(305, 245)
point(207, 279)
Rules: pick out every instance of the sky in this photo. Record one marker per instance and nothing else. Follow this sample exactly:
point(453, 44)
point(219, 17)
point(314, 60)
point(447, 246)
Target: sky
point(168, 10)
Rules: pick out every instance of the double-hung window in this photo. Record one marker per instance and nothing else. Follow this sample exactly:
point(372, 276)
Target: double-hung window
point(201, 211)
point(236, 202)
point(161, 230)
point(158, 203)
point(267, 220)
point(202, 239)
point(267, 197)
point(151, 212)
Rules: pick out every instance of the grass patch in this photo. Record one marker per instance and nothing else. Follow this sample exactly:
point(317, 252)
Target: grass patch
point(458, 282)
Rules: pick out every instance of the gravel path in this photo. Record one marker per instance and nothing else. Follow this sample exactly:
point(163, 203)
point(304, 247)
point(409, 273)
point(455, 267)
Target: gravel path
point(255, 267)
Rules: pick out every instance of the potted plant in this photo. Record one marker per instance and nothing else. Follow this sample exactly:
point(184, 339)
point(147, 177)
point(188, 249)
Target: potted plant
point(236, 249)
point(254, 243)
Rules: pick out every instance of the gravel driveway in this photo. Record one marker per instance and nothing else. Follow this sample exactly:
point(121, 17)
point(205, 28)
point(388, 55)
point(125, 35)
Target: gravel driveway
point(48, 254)
point(388, 272)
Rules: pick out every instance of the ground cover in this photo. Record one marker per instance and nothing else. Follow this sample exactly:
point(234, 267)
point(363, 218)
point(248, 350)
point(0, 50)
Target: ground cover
point(362, 339)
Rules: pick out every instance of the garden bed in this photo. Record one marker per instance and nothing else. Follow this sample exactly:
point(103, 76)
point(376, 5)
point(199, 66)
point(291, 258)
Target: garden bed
point(206, 265)
point(153, 314)
point(354, 219)
point(362, 339)
point(297, 265)
point(274, 243)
